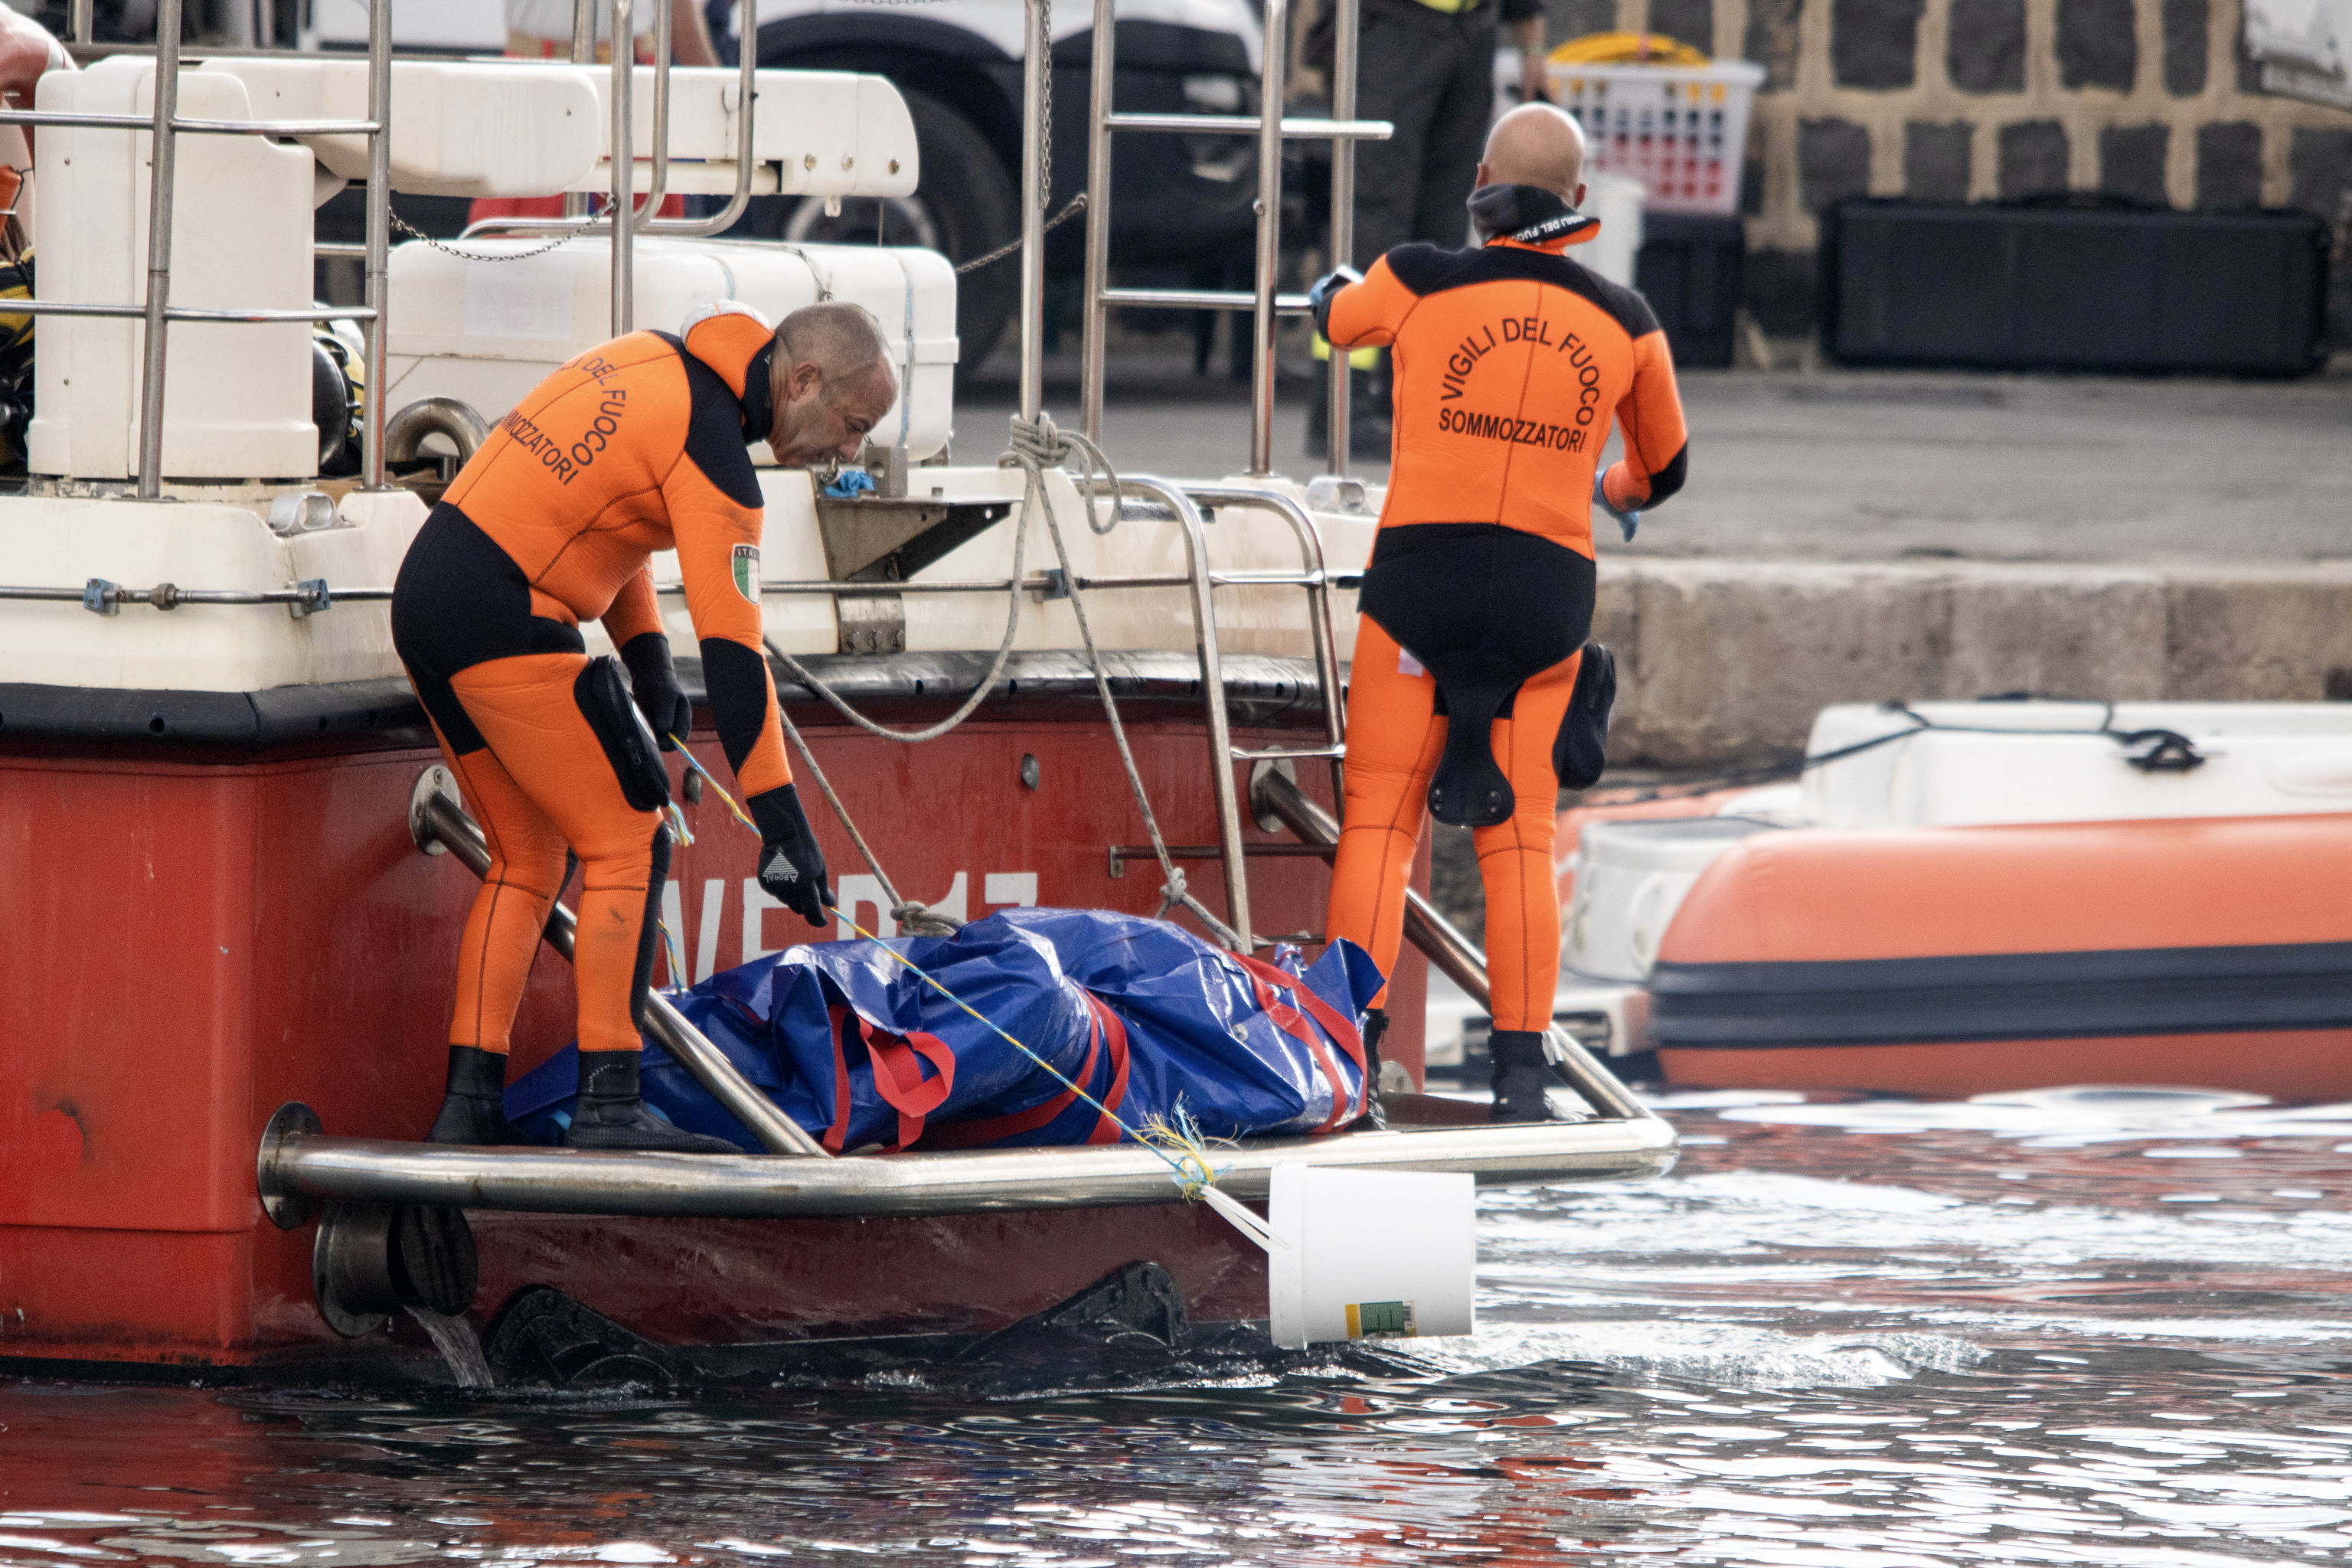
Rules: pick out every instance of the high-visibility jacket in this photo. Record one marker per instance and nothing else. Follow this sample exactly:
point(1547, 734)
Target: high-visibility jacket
point(1511, 363)
point(635, 446)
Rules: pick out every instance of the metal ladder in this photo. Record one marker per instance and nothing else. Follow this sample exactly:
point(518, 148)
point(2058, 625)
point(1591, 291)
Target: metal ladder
point(1271, 128)
point(158, 311)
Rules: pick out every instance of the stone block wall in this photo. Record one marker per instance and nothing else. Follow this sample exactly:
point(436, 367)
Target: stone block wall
point(1726, 662)
point(1977, 100)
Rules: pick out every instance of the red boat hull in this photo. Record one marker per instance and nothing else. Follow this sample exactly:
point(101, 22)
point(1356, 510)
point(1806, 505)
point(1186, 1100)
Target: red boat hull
point(201, 938)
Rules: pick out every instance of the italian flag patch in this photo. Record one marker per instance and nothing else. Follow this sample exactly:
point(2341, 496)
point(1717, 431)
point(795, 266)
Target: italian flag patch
point(747, 572)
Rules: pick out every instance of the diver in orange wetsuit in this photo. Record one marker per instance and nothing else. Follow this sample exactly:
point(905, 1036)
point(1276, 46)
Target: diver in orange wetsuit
point(637, 446)
point(1471, 687)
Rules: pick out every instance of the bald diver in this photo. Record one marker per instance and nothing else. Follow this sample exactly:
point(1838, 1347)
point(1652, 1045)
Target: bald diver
point(1473, 693)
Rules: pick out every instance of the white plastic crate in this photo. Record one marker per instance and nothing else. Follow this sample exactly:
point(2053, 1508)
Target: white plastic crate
point(1682, 130)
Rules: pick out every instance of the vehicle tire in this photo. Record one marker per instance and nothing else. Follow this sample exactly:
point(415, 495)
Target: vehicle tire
point(976, 208)
point(964, 205)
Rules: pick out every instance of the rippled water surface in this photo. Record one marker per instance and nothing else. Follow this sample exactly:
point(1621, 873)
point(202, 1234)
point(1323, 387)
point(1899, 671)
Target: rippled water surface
point(2054, 1329)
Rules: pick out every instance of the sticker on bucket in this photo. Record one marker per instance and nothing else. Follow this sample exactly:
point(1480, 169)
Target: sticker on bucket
point(1369, 1318)
point(1362, 1253)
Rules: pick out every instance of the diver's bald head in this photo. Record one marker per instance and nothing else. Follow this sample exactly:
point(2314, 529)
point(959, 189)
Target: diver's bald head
point(1537, 145)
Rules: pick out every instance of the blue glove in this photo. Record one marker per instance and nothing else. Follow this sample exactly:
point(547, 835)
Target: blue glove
point(1627, 522)
point(850, 482)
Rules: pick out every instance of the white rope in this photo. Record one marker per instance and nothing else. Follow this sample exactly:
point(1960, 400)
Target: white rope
point(1033, 448)
point(1041, 442)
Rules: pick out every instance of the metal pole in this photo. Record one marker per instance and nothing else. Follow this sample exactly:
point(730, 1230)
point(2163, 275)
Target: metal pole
point(583, 53)
point(1269, 238)
point(1036, 64)
point(164, 146)
point(1447, 948)
point(293, 1165)
point(1226, 797)
point(444, 820)
point(379, 238)
point(624, 162)
point(82, 20)
point(1090, 383)
point(1343, 210)
point(660, 187)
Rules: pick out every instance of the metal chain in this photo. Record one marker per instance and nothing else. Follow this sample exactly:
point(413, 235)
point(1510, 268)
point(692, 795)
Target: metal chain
point(1043, 44)
point(1076, 205)
point(415, 233)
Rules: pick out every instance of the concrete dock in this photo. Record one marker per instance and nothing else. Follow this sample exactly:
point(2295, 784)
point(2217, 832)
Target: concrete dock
point(1862, 535)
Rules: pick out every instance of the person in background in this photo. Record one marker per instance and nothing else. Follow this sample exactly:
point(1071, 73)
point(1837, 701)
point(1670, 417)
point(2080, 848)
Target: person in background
point(28, 52)
point(542, 29)
point(1426, 67)
point(637, 445)
point(1473, 691)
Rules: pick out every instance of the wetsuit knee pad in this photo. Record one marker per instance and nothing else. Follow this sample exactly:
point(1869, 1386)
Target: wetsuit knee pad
point(629, 745)
point(1582, 751)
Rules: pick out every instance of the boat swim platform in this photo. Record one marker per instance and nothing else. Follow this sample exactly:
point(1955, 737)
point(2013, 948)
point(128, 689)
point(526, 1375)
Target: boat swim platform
point(1725, 661)
point(299, 1167)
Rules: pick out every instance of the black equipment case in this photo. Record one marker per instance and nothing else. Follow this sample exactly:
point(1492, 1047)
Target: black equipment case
point(2066, 285)
point(1689, 270)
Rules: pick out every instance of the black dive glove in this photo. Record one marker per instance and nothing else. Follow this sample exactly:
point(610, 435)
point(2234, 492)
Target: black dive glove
point(791, 868)
point(653, 681)
point(1319, 297)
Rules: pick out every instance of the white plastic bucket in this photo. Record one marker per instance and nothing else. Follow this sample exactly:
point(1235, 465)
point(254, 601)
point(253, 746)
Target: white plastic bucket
point(1371, 1254)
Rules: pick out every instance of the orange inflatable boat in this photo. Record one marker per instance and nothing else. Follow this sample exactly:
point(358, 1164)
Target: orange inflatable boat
point(1952, 962)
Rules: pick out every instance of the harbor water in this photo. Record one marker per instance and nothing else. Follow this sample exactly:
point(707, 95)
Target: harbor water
point(2100, 1328)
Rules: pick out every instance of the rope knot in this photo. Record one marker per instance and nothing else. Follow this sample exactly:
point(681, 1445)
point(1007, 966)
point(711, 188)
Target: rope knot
point(1037, 442)
point(918, 919)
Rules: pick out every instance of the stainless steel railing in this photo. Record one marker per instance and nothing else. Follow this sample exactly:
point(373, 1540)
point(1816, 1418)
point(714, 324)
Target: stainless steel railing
point(642, 219)
point(156, 311)
point(1271, 127)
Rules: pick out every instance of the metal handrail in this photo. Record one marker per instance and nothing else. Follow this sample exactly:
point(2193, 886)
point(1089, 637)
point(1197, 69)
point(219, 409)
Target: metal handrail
point(187, 313)
point(1202, 300)
point(1348, 19)
point(1295, 128)
point(1448, 948)
point(1213, 691)
point(165, 126)
point(1317, 579)
point(1271, 127)
point(40, 116)
point(441, 820)
point(298, 1164)
point(646, 222)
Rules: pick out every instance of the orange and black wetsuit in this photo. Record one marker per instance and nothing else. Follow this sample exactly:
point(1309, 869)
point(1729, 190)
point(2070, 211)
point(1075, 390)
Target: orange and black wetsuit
point(637, 445)
point(1511, 363)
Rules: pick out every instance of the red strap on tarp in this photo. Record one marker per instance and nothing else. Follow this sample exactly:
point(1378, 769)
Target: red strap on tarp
point(1269, 983)
point(897, 1076)
point(1106, 1029)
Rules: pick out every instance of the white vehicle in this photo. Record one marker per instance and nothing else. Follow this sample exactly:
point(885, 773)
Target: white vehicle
point(1183, 202)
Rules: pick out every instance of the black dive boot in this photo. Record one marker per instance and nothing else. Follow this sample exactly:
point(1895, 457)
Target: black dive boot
point(473, 1109)
point(1521, 1073)
point(1373, 1119)
point(610, 1115)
